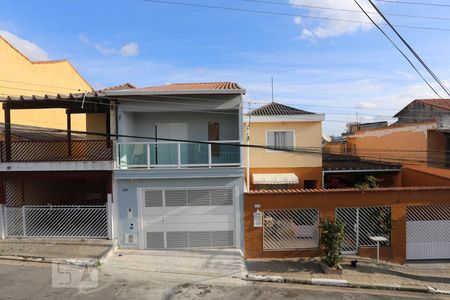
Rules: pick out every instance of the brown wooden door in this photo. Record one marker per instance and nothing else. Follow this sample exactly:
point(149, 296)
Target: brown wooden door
point(213, 135)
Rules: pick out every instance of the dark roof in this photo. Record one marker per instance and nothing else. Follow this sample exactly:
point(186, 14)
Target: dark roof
point(278, 109)
point(336, 162)
point(33, 133)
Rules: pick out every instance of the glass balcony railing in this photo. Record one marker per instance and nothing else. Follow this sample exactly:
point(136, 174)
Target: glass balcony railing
point(178, 154)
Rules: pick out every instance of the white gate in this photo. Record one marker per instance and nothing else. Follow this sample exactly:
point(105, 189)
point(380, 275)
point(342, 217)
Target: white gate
point(56, 222)
point(286, 229)
point(428, 232)
point(361, 223)
point(187, 218)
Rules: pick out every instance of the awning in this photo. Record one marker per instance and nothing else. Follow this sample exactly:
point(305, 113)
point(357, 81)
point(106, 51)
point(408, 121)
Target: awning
point(281, 178)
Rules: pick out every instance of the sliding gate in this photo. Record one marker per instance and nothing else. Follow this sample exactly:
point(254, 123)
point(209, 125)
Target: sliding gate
point(363, 223)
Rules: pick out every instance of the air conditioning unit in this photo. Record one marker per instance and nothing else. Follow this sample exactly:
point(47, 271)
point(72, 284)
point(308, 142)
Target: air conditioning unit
point(130, 239)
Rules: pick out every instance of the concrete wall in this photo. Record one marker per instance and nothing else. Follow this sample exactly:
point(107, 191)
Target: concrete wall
point(327, 202)
point(143, 124)
point(20, 76)
point(392, 144)
point(424, 176)
point(307, 134)
point(126, 189)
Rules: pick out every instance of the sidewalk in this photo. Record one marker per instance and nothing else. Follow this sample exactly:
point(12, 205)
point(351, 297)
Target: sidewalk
point(418, 275)
point(88, 252)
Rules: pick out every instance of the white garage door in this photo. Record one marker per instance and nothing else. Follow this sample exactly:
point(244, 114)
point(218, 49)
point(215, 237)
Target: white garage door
point(428, 232)
point(188, 218)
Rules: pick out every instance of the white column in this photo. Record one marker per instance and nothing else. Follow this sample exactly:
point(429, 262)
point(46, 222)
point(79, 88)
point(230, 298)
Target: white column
point(2, 222)
point(110, 216)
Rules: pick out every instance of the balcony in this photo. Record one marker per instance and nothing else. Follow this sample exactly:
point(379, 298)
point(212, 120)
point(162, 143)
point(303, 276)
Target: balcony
point(53, 151)
point(178, 155)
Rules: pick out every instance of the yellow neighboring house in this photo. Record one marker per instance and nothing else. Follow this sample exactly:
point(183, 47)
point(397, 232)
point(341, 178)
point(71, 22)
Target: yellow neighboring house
point(280, 126)
point(21, 76)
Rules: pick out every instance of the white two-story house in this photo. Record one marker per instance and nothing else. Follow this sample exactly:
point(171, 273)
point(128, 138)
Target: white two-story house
point(178, 180)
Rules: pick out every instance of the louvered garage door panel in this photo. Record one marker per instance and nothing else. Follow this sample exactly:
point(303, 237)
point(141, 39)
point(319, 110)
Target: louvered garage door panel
point(428, 232)
point(189, 218)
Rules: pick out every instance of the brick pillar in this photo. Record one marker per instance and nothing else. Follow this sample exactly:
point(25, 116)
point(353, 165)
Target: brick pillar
point(398, 233)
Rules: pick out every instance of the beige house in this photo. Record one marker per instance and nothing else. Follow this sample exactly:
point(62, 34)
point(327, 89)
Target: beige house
point(298, 133)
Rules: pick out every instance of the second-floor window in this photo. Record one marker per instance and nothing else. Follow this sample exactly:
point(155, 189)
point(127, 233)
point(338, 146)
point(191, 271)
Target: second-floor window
point(280, 139)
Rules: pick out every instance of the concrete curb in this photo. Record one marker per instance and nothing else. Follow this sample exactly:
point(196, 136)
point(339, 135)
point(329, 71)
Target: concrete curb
point(344, 283)
point(88, 262)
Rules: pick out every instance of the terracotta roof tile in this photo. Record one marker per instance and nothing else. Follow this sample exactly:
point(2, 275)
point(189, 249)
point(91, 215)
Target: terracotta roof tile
point(438, 103)
point(349, 190)
point(194, 86)
point(125, 86)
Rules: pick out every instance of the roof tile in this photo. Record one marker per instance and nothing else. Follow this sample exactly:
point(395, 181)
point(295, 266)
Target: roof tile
point(278, 109)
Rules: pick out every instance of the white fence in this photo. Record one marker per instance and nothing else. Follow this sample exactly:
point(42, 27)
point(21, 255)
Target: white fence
point(89, 222)
point(286, 229)
point(361, 223)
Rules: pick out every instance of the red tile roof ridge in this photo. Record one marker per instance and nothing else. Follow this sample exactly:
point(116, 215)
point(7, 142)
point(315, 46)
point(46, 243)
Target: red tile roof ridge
point(347, 190)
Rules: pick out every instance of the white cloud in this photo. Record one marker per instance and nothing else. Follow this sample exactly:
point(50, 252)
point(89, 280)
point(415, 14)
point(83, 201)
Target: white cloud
point(365, 105)
point(329, 28)
point(298, 20)
point(83, 38)
point(29, 49)
point(105, 50)
point(130, 49)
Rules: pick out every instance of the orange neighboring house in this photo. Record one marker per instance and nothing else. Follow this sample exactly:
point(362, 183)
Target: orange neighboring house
point(20, 76)
point(419, 140)
point(280, 126)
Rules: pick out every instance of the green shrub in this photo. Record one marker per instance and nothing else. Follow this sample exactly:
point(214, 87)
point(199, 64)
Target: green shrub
point(331, 238)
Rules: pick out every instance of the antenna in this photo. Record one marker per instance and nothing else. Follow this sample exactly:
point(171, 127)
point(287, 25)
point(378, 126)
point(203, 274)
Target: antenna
point(272, 88)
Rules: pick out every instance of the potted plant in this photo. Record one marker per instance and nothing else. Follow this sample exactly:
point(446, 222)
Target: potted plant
point(331, 238)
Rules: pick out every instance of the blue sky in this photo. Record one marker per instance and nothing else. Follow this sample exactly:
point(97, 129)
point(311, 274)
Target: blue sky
point(341, 69)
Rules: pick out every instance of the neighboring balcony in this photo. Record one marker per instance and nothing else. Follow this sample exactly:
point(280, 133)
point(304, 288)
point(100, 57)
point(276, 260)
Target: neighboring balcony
point(178, 155)
point(56, 151)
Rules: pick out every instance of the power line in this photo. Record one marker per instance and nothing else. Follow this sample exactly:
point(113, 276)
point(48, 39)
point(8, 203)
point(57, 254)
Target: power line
point(398, 49)
point(295, 150)
point(345, 10)
point(284, 14)
point(414, 3)
point(410, 48)
point(203, 98)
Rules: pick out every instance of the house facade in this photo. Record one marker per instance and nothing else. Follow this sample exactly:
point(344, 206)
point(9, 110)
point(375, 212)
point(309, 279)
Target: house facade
point(279, 126)
point(20, 76)
point(178, 176)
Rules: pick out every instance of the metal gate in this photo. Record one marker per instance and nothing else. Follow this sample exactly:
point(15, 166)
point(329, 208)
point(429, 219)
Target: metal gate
point(56, 222)
point(286, 229)
point(362, 223)
point(428, 232)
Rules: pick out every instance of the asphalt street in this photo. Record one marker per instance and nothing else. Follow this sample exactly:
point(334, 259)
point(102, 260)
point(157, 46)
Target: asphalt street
point(24, 280)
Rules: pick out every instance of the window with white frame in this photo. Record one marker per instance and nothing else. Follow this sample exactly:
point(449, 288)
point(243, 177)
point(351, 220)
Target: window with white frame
point(280, 139)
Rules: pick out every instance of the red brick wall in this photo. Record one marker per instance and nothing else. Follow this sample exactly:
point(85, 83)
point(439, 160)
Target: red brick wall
point(327, 201)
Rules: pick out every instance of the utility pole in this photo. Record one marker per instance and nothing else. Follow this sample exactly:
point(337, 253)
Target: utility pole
point(248, 146)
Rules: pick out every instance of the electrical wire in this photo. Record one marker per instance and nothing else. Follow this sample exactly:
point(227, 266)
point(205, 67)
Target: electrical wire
point(398, 49)
point(414, 3)
point(410, 48)
point(284, 14)
point(344, 10)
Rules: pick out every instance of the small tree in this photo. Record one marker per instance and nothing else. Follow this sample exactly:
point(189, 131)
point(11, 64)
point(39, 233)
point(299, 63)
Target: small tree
point(370, 182)
point(331, 239)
